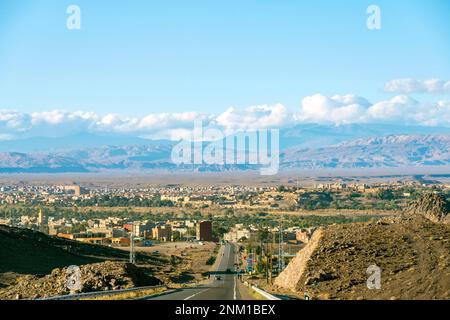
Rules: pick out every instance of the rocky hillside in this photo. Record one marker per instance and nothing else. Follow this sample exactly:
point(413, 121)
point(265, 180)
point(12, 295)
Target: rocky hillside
point(434, 207)
point(94, 277)
point(412, 252)
point(23, 251)
point(33, 265)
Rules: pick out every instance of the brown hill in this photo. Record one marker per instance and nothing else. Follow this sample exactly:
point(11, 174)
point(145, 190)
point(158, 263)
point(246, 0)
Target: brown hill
point(413, 255)
point(94, 277)
point(434, 207)
point(24, 251)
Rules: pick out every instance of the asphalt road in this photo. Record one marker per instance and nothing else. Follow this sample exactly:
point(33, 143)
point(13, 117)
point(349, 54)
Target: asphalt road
point(224, 289)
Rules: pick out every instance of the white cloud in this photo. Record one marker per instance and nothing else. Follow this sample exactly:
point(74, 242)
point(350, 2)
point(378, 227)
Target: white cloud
point(337, 109)
point(11, 120)
point(408, 86)
point(60, 122)
point(157, 126)
point(254, 118)
point(436, 114)
point(397, 108)
point(404, 109)
point(57, 117)
point(115, 123)
point(6, 137)
point(348, 109)
point(171, 120)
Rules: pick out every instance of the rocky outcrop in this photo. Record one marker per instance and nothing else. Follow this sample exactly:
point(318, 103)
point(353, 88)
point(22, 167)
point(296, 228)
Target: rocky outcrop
point(291, 276)
point(432, 206)
point(93, 277)
point(412, 254)
point(24, 251)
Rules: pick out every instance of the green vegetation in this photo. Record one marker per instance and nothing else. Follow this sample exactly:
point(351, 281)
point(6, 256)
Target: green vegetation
point(211, 261)
point(384, 199)
point(116, 201)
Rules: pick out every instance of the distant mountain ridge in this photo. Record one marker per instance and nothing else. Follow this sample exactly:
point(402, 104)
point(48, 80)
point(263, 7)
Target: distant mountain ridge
point(397, 139)
point(305, 135)
point(378, 152)
point(317, 136)
point(389, 151)
point(77, 141)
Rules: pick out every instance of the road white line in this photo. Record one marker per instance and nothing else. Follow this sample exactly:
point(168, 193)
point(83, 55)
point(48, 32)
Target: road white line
point(195, 294)
point(221, 258)
point(234, 294)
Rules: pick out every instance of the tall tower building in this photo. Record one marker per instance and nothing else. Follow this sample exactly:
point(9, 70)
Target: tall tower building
point(204, 231)
point(42, 221)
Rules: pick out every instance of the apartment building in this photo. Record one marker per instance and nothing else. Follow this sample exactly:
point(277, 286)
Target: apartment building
point(204, 231)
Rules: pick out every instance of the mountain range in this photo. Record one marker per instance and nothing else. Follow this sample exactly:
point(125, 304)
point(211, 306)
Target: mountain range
point(378, 152)
point(302, 147)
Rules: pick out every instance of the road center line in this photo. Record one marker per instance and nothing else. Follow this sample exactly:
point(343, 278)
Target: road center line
point(234, 294)
point(195, 294)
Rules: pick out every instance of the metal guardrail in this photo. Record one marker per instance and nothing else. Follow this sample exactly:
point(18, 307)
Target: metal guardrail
point(265, 294)
point(98, 293)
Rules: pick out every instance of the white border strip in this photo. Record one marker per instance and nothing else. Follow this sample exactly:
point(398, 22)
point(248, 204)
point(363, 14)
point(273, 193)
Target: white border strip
point(265, 294)
point(98, 293)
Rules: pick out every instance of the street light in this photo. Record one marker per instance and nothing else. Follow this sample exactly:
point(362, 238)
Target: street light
point(132, 257)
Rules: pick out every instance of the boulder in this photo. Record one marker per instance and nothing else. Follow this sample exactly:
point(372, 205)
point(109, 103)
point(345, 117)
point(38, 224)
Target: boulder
point(434, 207)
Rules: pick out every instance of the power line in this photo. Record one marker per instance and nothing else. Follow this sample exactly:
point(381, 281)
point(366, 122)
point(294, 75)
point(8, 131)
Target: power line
point(132, 255)
point(280, 249)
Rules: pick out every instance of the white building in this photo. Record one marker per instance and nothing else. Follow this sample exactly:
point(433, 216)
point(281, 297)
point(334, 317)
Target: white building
point(237, 233)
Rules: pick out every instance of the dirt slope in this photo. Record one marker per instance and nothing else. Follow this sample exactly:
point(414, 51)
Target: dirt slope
point(93, 277)
point(434, 207)
point(413, 256)
point(412, 251)
point(24, 251)
point(294, 271)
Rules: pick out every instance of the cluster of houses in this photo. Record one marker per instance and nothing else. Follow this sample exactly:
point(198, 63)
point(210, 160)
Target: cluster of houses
point(293, 235)
point(144, 232)
point(116, 231)
point(238, 197)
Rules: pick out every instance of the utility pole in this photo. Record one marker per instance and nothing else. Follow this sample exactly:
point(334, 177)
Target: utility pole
point(132, 260)
point(272, 254)
point(280, 250)
point(268, 261)
point(270, 268)
point(267, 256)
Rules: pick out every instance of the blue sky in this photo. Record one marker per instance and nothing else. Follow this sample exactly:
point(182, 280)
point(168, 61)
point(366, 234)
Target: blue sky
point(143, 57)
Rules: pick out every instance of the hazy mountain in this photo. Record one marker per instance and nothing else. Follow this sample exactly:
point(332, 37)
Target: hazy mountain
point(86, 159)
point(84, 140)
point(387, 151)
point(305, 135)
point(315, 135)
